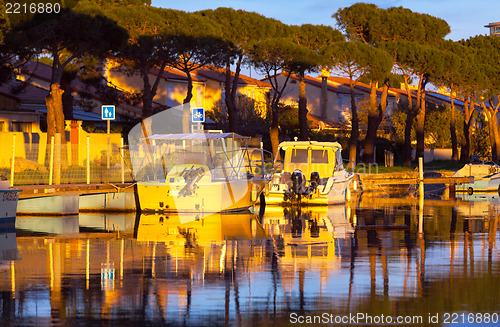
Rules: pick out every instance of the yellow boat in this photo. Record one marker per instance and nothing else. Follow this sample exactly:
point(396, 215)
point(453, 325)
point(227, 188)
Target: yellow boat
point(198, 173)
point(311, 172)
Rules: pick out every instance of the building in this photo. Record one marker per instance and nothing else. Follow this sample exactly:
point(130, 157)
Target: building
point(208, 86)
point(494, 28)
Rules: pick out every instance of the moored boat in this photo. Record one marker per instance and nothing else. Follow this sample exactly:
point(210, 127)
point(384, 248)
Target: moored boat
point(311, 172)
point(8, 206)
point(486, 176)
point(198, 173)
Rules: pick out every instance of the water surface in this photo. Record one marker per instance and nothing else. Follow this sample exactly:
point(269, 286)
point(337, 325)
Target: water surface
point(373, 257)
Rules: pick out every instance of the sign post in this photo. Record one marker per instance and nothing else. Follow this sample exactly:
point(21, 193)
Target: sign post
point(108, 114)
point(197, 117)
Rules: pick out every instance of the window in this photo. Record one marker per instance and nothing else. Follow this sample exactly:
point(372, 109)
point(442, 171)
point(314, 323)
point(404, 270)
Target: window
point(170, 94)
point(299, 156)
point(199, 96)
point(319, 156)
point(2, 126)
point(21, 127)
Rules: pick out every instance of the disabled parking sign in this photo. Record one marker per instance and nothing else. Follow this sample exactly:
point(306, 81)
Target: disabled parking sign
point(198, 115)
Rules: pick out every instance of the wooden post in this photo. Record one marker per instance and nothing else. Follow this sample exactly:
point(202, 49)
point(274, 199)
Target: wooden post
point(420, 168)
point(88, 159)
point(123, 161)
point(57, 159)
point(51, 162)
point(12, 164)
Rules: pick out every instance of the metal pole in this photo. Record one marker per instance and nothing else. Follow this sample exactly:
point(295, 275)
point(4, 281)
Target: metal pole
point(51, 163)
point(109, 142)
point(88, 159)
point(12, 166)
point(123, 161)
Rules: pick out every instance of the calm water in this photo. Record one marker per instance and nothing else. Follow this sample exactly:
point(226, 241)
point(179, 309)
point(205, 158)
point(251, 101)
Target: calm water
point(316, 266)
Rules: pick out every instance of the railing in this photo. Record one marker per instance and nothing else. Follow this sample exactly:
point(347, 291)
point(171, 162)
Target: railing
point(54, 164)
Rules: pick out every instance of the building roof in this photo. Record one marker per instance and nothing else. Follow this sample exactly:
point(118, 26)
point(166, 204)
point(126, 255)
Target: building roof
point(175, 74)
point(360, 86)
point(219, 75)
point(23, 92)
point(316, 82)
point(43, 72)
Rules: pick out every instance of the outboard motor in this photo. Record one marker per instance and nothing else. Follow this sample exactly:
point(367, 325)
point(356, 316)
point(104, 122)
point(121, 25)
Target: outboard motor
point(314, 181)
point(298, 181)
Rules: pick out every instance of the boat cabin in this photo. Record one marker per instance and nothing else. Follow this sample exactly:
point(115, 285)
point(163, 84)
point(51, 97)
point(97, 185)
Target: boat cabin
point(310, 156)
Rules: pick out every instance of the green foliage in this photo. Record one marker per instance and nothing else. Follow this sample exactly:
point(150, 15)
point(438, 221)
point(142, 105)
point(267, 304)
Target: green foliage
point(372, 25)
point(437, 126)
point(480, 137)
point(252, 122)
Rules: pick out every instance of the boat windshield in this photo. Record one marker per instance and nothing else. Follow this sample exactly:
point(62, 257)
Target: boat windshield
point(168, 157)
point(160, 151)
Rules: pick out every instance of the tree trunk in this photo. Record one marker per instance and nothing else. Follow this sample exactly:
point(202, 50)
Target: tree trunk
point(496, 130)
point(324, 98)
point(274, 131)
point(187, 104)
point(464, 151)
point(353, 142)
point(410, 115)
point(420, 111)
point(421, 128)
point(491, 127)
point(147, 98)
point(453, 132)
point(304, 131)
point(373, 123)
point(230, 105)
point(55, 117)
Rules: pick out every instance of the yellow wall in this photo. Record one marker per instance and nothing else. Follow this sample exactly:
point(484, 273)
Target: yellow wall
point(28, 149)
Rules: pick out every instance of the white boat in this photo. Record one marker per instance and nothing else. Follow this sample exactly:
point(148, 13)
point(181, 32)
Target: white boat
point(199, 173)
point(8, 206)
point(311, 172)
point(486, 177)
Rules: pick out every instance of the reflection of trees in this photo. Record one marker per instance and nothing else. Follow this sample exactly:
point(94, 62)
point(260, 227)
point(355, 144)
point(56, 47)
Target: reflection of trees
point(393, 272)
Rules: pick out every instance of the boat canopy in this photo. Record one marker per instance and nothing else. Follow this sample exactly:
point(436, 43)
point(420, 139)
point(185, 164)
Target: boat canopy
point(168, 157)
point(195, 136)
point(306, 144)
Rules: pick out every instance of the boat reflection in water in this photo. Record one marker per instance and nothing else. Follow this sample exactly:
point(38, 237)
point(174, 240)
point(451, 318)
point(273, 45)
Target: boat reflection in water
point(381, 257)
point(174, 229)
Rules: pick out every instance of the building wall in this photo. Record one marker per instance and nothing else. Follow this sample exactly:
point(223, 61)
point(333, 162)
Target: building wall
point(336, 103)
point(170, 93)
point(32, 146)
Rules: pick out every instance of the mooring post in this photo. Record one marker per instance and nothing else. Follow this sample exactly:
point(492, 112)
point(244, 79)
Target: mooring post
point(12, 164)
point(51, 162)
point(123, 161)
point(88, 159)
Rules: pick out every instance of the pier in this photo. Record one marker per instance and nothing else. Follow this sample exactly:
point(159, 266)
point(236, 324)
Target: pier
point(59, 200)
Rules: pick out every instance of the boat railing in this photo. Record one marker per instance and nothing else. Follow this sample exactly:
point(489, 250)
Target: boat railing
point(351, 164)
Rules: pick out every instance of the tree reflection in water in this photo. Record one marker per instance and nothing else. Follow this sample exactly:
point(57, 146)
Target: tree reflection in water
point(243, 270)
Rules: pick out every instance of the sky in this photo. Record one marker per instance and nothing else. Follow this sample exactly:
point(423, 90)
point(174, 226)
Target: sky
point(466, 17)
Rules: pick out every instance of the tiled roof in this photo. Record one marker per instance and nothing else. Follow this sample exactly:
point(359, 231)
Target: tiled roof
point(26, 92)
point(219, 74)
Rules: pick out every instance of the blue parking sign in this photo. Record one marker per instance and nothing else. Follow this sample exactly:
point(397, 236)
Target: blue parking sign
point(108, 112)
point(198, 115)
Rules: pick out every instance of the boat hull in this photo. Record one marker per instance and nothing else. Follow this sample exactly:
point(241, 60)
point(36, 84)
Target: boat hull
point(335, 194)
point(210, 197)
point(482, 184)
point(8, 208)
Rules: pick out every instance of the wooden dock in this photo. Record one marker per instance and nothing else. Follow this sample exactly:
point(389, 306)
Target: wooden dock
point(36, 191)
point(407, 178)
point(65, 200)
